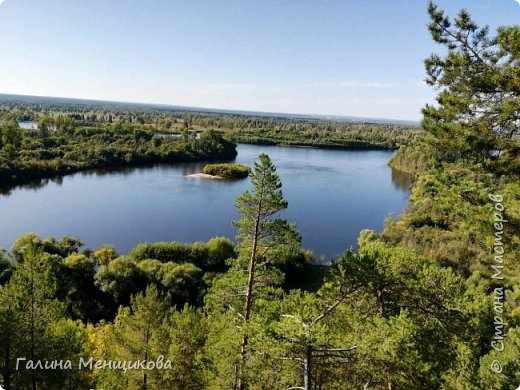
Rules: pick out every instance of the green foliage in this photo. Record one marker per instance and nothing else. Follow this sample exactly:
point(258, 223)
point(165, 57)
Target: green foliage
point(251, 282)
point(33, 325)
point(134, 336)
point(228, 171)
point(220, 249)
point(477, 113)
point(27, 155)
point(208, 256)
point(10, 137)
point(196, 253)
point(121, 278)
point(66, 246)
point(105, 255)
point(509, 360)
point(185, 334)
point(415, 159)
point(472, 152)
point(326, 134)
point(245, 128)
point(66, 340)
point(257, 209)
point(182, 283)
point(6, 268)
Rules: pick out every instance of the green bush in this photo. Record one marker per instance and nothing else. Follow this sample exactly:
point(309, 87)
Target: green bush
point(220, 249)
point(229, 171)
point(210, 255)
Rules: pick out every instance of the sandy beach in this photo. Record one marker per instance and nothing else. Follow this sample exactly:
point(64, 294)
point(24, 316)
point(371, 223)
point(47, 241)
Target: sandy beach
point(204, 176)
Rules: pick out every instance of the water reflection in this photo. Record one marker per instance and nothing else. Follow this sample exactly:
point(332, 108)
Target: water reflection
point(32, 185)
point(402, 181)
point(37, 184)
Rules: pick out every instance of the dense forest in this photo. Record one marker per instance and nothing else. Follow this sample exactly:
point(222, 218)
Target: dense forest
point(65, 148)
point(245, 128)
point(432, 302)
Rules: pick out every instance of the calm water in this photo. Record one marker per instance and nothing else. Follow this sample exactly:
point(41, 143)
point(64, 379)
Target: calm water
point(332, 195)
point(28, 125)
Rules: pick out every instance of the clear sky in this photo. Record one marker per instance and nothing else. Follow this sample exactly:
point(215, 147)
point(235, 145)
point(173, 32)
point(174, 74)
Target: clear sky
point(345, 57)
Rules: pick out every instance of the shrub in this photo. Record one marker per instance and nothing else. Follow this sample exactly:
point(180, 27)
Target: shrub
point(220, 249)
point(176, 252)
point(228, 171)
point(207, 256)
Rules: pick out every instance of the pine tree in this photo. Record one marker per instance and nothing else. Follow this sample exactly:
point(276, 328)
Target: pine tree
point(253, 280)
point(259, 233)
point(182, 342)
point(479, 82)
point(8, 334)
point(32, 290)
point(132, 337)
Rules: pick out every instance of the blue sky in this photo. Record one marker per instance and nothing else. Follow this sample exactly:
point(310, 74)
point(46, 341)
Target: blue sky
point(344, 57)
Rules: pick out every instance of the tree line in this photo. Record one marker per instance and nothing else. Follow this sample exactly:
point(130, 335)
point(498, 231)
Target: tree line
point(62, 148)
point(246, 128)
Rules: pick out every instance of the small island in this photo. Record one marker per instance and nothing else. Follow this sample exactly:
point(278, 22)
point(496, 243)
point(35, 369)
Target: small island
point(226, 171)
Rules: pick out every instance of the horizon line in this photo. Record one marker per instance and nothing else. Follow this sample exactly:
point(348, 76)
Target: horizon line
point(227, 110)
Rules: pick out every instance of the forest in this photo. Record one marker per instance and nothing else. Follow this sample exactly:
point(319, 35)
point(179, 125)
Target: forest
point(57, 149)
point(246, 128)
point(431, 302)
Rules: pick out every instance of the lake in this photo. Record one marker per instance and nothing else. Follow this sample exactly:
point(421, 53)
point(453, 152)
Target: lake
point(332, 195)
point(28, 125)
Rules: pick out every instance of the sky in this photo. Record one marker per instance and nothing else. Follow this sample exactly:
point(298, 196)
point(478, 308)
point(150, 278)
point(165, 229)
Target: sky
point(340, 57)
